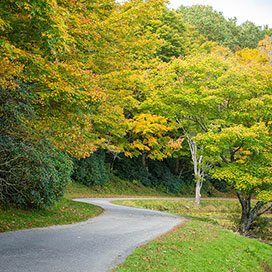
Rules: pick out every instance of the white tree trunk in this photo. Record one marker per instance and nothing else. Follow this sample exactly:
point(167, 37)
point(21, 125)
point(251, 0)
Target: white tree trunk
point(199, 165)
point(197, 192)
point(198, 170)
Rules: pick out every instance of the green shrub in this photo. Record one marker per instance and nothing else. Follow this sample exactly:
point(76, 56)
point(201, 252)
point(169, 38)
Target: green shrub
point(161, 175)
point(92, 170)
point(33, 173)
point(221, 185)
point(132, 169)
point(157, 175)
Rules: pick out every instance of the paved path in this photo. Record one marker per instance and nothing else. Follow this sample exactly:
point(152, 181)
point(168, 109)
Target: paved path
point(96, 245)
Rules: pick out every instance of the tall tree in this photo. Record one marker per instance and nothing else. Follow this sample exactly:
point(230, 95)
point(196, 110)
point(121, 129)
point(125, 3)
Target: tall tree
point(226, 98)
point(226, 32)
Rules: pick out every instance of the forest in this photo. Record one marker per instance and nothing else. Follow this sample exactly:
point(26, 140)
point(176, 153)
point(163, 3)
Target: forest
point(179, 100)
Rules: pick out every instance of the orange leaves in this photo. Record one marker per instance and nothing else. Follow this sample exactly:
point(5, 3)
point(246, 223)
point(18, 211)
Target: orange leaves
point(175, 144)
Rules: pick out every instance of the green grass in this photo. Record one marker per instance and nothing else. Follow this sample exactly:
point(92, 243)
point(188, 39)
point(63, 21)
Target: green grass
point(114, 187)
point(65, 212)
point(208, 242)
point(224, 213)
point(200, 247)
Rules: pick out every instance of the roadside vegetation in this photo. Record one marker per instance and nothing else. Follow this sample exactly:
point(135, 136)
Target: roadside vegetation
point(200, 247)
point(67, 211)
point(64, 212)
point(115, 187)
point(223, 213)
point(209, 241)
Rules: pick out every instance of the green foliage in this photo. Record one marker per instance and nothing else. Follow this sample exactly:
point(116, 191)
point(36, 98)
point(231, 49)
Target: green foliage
point(162, 176)
point(225, 32)
point(158, 174)
point(33, 173)
point(250, 35)
point(78, 75)
point(221, 185)
point(132, 169)
point(92, 170)
point(171, 31)
point(114, 187)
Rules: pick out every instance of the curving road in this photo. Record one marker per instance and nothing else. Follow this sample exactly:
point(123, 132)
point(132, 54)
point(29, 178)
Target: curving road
point(96, 245)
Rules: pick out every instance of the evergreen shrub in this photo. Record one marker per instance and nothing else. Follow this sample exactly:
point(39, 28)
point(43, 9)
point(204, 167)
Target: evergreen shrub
point(33, 173)
point(132, 169)
point(92, 170)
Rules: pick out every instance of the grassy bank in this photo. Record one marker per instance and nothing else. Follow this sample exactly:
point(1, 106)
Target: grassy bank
point(205, 243)
point(67, 211)
point(114, 187)
point(64, 212)
point(200, 247)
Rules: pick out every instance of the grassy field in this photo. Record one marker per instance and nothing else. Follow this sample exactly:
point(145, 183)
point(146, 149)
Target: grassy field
point(200, 247)
point(208, 242)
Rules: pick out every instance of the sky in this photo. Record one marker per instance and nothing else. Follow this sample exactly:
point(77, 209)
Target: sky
point(257, 11)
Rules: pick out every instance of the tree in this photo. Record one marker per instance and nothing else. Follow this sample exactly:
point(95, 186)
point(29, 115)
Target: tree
point(199, 164)
point(249, 35)
point(170, 29)
point(265, 47)
point(47, 45)
point(63, 56)
point(226, 98)
point(226, 32)
point(72, 55)
point(147, 135)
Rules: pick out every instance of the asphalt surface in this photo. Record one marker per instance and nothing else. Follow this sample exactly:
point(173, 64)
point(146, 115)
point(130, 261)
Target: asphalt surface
point(97, 245)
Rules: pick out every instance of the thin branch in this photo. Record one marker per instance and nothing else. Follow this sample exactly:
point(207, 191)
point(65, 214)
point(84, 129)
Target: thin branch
point(265, 210)
point(238, 148)
point(224, 159)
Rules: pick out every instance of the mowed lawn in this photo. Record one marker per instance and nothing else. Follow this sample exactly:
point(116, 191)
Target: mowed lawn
point(206, 242)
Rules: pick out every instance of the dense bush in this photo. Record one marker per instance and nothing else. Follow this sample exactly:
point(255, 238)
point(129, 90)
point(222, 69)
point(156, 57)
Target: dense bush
point(161, 175)
point(92, 170)
point(157, 175)
point(132, 169)
point(33, 173)
point(221, 185)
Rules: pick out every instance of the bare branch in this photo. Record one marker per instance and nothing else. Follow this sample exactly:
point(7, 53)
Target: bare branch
point(224, 159)
point(265, 210)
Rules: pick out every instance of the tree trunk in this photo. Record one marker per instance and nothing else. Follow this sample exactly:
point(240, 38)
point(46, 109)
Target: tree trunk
point(144, 161)
point(198, 171)
point(199, 165)
point(197, 192)
point(177, 167)
point(245, 221)
point(249, 214)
